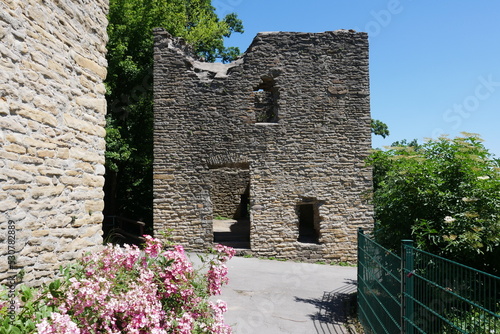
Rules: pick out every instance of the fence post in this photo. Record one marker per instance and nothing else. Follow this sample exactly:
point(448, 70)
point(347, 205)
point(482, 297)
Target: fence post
point(361, 245)
point(361, 277)
point(407, 266)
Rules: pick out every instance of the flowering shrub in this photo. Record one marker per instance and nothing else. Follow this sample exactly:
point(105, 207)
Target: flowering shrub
point(444, 194)
point(126, 290)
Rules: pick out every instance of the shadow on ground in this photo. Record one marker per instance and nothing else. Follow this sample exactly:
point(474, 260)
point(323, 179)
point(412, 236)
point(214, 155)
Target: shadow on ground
point(233, 233)
point(333, 308)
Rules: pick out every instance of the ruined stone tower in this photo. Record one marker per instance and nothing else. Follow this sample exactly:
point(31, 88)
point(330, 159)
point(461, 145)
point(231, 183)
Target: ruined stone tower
point(279, 135)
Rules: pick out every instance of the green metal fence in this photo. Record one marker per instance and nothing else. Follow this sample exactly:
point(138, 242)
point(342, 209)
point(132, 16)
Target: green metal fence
point(419, 292)
point(379, 287)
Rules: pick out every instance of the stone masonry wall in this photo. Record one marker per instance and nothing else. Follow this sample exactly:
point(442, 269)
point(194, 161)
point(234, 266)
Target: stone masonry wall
point(52, 117)
point(294, 110)
point(227, 187)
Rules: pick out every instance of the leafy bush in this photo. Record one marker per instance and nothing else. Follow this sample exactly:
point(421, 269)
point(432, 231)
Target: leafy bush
point(474, 321)
point(444, 194)
point(126, 290)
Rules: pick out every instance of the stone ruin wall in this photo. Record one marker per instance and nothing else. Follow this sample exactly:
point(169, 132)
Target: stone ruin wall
point(228, 185)
point(52, 118)
point(292, 114)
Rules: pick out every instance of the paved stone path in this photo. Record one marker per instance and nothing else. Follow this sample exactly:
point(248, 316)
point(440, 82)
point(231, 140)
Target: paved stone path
point(272, 297)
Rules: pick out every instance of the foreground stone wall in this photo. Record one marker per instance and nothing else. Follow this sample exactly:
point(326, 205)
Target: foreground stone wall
point(52, 117)
point(294, 112)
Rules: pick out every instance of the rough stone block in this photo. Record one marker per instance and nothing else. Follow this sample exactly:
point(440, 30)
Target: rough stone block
point(70, 180)
point(12, 124)
point(90, 65)
point(49, 171)
point(6, 205)
point(84, 126)
point(93, 181)
point(45, 153)
point(4, 106)
point(36, 143)
point(85, 155)
point(40, 233)
point(47, 191)
point(17, 175)
point(94, 206)
point(15, 148)
point(63, 153)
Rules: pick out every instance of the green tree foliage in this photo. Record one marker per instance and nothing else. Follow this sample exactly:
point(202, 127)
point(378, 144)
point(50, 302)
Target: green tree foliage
point(444, 194)
point(129, 153)
point(379, 128)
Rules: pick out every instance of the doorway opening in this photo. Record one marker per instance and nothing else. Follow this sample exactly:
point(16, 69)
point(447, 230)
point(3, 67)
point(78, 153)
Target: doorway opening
point(230, 195)
point(308, 214)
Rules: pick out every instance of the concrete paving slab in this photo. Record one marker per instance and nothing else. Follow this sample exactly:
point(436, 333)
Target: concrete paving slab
point(272, 297)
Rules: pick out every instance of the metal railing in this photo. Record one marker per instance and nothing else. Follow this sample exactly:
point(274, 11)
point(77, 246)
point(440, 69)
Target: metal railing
point(419, 292)
point(121, 230)
point(379, 287)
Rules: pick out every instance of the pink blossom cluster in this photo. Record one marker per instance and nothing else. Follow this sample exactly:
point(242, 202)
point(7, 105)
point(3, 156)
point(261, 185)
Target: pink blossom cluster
point(126, 290)
point(61, 324)
point(217, 273)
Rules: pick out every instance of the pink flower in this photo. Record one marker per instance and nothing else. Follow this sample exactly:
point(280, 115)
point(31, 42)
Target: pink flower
point(219, 327)
point(226, 252)
point(216, 276)
point(185, 324)
point(61, 324)
point(153, 246)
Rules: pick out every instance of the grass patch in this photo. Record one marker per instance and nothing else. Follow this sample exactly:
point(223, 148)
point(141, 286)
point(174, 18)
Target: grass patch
point(342, 264)
point(221, 218)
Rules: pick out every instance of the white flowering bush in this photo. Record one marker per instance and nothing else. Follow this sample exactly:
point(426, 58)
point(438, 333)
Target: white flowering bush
point(126, 290)
point(444, 194)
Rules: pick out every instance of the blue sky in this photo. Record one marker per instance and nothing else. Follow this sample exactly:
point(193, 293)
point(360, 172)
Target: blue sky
point(434, 66)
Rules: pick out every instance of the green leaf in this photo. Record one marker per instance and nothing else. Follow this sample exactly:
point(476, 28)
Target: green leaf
point(53, 288)
point(26, 293)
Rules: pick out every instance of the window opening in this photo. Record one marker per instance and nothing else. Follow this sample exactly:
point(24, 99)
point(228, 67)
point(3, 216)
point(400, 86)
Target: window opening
point(266, 101)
